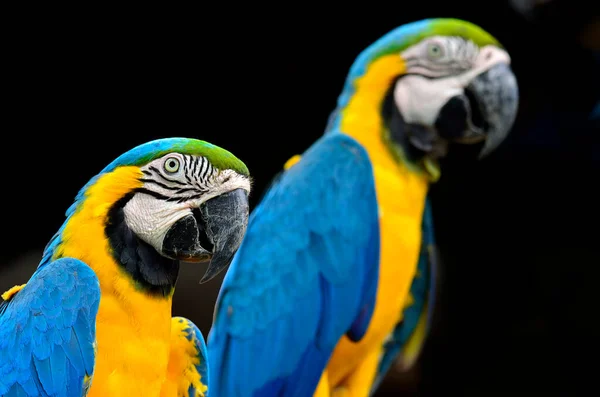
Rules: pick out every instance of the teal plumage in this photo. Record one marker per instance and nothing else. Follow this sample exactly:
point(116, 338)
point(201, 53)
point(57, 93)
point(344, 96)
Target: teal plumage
point(55, 317)
point(302, 277)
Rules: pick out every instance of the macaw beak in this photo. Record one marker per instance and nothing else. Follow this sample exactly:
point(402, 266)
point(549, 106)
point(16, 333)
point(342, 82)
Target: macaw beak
point(212, 232)
point(227, 219)
point(485, 111)
point(498, 94)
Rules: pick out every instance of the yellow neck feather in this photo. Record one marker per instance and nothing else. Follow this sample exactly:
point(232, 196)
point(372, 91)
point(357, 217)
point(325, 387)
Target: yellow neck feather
point(361, 118)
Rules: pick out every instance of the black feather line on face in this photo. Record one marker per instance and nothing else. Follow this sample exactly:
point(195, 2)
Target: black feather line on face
point(167, 187)
point(160, 174)
point(195, 170)
point(150, 271)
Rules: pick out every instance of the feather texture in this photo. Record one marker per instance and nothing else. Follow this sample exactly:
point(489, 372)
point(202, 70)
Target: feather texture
point(200, 356)
point(305, 275)
point(48, 332)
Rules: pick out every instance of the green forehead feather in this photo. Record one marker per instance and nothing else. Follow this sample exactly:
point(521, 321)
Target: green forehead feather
point(407, 35)
point(145, 153)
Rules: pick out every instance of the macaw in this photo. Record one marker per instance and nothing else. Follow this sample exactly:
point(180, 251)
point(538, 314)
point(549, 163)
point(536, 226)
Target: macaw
point(317, 300)
point(95, 317)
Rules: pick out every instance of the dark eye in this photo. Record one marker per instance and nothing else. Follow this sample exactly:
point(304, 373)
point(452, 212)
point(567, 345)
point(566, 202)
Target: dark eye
point(171, 165)
point(434, 50)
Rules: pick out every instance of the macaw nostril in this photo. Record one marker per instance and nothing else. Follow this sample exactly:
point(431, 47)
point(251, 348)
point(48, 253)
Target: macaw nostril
point(202, 231)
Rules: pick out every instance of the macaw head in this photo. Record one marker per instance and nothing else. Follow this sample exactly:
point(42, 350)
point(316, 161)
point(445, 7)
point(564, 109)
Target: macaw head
point(162, 202)
point(432, 83)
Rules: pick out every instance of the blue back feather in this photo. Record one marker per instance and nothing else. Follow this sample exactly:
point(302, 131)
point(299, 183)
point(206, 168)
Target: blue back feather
point(305, 275)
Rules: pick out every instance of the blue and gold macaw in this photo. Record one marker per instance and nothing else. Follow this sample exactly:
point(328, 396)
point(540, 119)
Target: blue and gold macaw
point(333, 279)
point(95, 317)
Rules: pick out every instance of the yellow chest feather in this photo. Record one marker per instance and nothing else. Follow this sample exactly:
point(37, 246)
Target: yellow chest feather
point(132, 356)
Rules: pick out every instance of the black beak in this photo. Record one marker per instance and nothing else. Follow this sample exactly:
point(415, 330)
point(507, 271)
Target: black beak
point(226, 219)
point(212, 232)
point(485, 112)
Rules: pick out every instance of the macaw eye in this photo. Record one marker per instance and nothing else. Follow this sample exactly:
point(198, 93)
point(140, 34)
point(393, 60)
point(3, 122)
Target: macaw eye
point(434, 51)
point(171, 165)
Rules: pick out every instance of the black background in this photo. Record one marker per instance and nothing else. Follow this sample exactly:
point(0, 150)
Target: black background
point(517, 231)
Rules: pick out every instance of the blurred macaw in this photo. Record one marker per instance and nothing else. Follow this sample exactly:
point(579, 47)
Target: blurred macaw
point(316, 297)
point(99, 305)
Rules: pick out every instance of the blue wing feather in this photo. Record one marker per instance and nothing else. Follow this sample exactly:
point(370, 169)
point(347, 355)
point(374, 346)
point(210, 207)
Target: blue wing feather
point(423, 292)
point(305, 275)
point(48, 331)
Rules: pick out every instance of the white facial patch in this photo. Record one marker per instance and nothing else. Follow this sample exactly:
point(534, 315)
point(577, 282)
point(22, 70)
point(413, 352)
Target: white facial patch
point(150, 218)
point(174, 185)
point(438, 69)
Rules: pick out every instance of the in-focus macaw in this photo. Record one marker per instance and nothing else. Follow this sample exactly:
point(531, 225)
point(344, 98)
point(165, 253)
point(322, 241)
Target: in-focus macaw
point(99, 304)
point(324, 289)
